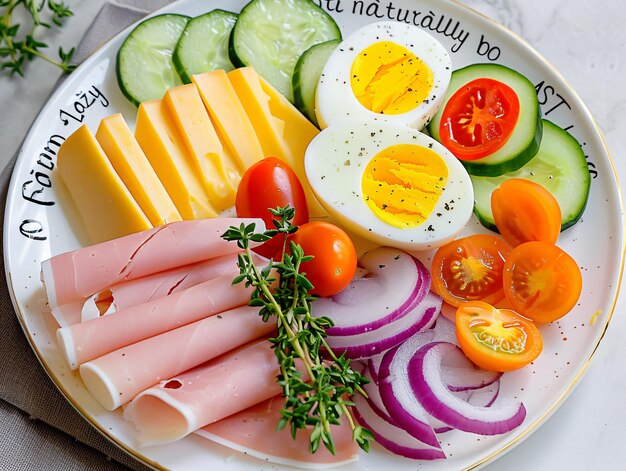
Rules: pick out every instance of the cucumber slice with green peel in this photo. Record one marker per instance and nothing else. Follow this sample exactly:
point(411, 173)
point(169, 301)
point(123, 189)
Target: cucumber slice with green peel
point(144, 62)
point(307, 74)
point(271, 35)
point(560, 166)
point(203, 45)
point(523, 143)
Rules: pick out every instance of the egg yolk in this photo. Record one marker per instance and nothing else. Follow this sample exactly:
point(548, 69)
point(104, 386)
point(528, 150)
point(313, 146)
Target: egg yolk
point(387, 78)
point(403, 183)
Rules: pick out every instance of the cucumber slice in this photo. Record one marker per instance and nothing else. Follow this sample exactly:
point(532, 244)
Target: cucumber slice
point(526, 137)
point(144, 62)
point(203, 46)
point(306, 76)
point(560, 166)
point(271, 35)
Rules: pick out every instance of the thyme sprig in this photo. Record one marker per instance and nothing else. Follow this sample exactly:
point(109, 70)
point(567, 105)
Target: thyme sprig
point(316, 388)
point(18, 45)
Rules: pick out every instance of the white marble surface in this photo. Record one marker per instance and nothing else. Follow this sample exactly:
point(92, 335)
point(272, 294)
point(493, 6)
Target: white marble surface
point(586, 41)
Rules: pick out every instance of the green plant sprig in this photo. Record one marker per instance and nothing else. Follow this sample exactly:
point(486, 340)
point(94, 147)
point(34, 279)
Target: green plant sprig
point(316, 389)
point(18, 48)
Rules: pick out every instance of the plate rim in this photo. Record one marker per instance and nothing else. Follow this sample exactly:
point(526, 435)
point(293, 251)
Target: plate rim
point(506, 447)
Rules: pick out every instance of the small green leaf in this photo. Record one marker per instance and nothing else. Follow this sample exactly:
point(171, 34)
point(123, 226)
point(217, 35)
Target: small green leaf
point(12, 30)
point(259, 237)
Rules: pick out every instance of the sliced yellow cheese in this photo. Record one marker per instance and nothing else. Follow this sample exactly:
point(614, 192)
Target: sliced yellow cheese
point(229, 117)
point(105, 205)
point(298, 130)
point(269, 130)
point(220, 173)
point(160, 140)
point(282, 130)
point(132, 165)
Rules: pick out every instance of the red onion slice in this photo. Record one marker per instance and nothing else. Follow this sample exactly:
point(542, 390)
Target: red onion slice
point(445, 331)
point(374, 399)
point(392, 437)
point(426, 381)
point(396, 282)
point(396, 392)
point(460, 374)
point(373, 365)
point(376, 341)
point(484, 397)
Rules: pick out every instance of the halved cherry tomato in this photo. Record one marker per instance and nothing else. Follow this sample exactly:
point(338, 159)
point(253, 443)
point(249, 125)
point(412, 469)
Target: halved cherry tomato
point(334, 262)
point(470, 269)
point(479, 118)
point(525, 211)
point(541, 281)
point(268, 184)
point(496, 339)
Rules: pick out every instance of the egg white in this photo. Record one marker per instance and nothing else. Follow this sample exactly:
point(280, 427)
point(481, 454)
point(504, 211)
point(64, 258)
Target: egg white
point(335, 101)
point(335, 161)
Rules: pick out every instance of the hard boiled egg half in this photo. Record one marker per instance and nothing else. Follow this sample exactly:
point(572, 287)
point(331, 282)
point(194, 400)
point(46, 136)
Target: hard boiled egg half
point(390, 184)
point(387, 71)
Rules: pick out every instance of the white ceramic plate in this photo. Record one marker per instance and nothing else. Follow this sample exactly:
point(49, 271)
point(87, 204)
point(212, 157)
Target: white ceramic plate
point(40, 222)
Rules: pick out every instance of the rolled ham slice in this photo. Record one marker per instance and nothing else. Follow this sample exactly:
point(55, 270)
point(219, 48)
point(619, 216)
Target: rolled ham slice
point(68, 314)
point(117, 377)
point(92, 339)
point(224, 386)
point(253, 431)
point(79, 274)
point(140, 290)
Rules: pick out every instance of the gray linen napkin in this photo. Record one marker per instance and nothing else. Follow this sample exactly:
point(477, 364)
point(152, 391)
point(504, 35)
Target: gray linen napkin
point(32, 410)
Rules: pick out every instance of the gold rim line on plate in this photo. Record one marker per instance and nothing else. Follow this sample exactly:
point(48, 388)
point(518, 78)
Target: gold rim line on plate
point(516, 440)
point(532, 427)
point(57, 382)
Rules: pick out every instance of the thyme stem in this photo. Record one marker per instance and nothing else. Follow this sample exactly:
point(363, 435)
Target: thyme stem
point(281, 290)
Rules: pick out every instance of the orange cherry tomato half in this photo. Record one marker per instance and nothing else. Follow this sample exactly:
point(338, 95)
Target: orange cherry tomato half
point(479, 118)
point(524, 211)
point(541, 281)
point(470, 269)
point(496, 339)
point(270, 183)
point(334, 262)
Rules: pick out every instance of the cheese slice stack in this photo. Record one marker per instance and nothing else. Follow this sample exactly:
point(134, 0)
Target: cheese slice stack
point(190, 150)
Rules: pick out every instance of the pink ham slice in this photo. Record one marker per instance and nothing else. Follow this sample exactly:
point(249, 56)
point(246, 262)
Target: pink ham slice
point(253, 431)
point(89, 340)
point(224, 386)
point(117, 377)
point(79, 274)
point(140, 290)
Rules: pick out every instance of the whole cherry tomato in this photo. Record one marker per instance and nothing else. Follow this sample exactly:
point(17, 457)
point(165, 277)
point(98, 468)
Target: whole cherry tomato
point(334, 262)
point(268, 184)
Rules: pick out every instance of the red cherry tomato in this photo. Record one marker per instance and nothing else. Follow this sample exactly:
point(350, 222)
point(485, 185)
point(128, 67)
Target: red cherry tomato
point(334, 262)
point(479, 118)
point(268, 184)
